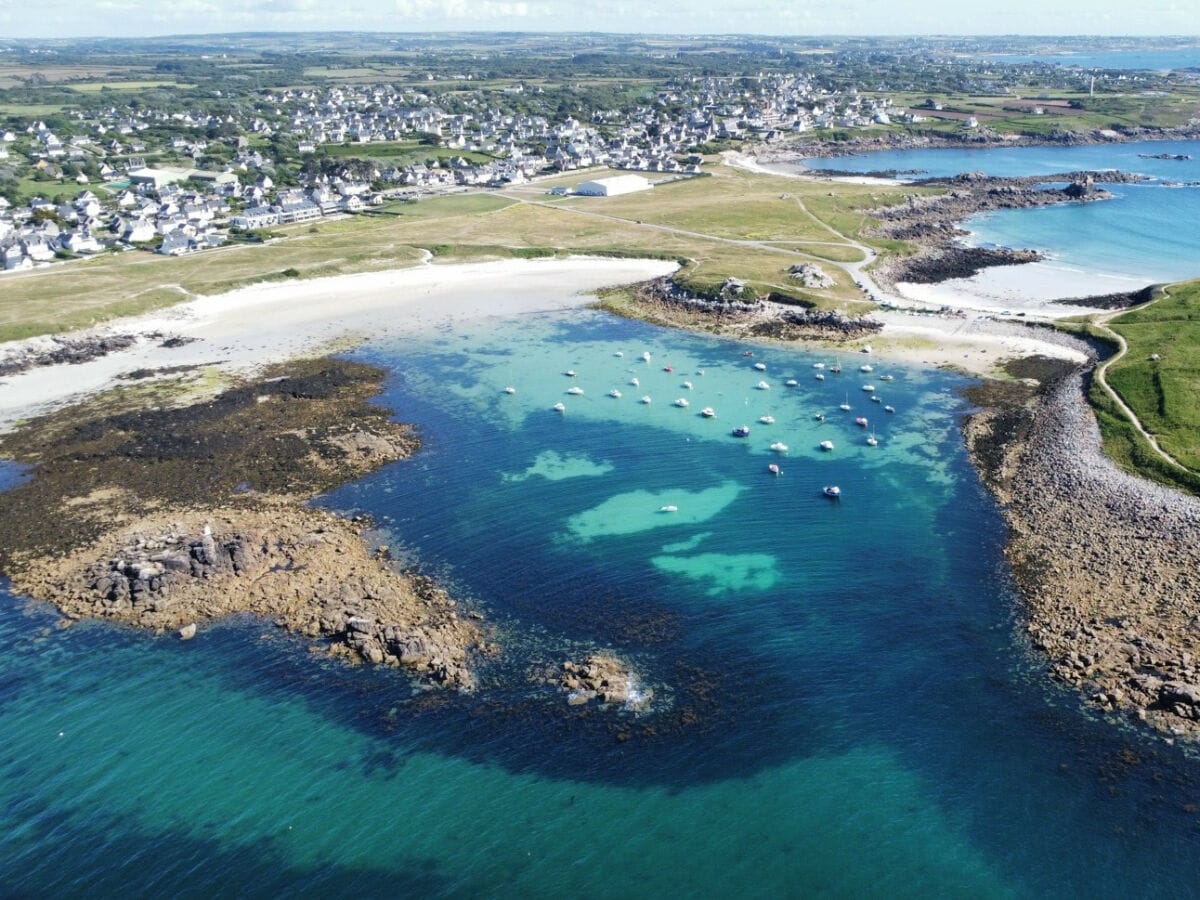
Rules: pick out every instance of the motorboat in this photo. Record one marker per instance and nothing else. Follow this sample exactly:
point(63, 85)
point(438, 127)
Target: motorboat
point(570, 373)
point(861, 421)
point(668, 368)
point(868, 387)
point(792, 382)
point(575, 390)
point(634, 381)
point(826, 445)
point(767, 420)
point(866, 367)
point(619, 353)
point(687, 385)
point(646, 356)
point(669, 508)
point(890, 409)
point(875, 398)
point(708, 412)
point(741, 431)
point(820, 376)
point(762, 367)
point(763, 386)
point(887, 377)
point(779, 447)
point(645, 399)
point(831, 490)
point(560, 407)
point(818, 365)
point(820, 417)
point(682, 402)
point(510, 390)
point(774, 469)
point(615, 393)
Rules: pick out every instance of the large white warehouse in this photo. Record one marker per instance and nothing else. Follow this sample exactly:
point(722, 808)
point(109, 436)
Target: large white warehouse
point(611, 187)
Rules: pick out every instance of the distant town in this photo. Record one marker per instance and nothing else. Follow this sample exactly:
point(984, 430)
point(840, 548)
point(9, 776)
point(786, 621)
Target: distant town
point(175, 166)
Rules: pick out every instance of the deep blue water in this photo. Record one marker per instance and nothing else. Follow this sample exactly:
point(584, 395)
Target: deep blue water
point(843, 703)
point(1149, 232)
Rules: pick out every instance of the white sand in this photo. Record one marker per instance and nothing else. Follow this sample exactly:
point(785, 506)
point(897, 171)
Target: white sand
point(1031, 287)
point(797, 169)
point(269, 322)
point(975, 344)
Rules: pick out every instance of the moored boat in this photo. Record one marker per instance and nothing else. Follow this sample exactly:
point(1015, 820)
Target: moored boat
point(763, 386)
point(708, 412)
point(779, 447)
point(615, 393)
point(645, 399)
point(861, 421)
point(560, 407)
point(774, 469)
point(741, 431)
point(682, 402)
point(767, 420)
point(510, 390)
point(831, 490)
point(762, 367)
point(826, 445)
point(575, 390)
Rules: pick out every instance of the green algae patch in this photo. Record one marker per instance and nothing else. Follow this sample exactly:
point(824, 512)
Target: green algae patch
point(726, 572)
point(638, 511)
point(555, 466)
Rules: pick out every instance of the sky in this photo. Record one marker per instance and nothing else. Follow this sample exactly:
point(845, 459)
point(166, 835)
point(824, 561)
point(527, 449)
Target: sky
point(134, 18)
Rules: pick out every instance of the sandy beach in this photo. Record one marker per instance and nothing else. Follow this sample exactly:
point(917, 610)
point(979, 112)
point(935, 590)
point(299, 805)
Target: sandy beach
point(246, 329)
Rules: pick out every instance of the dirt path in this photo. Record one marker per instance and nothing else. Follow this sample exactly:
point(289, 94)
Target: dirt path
point(1102, 380)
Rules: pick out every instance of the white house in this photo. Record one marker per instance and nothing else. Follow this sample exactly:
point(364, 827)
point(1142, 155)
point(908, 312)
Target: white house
point(614, 186)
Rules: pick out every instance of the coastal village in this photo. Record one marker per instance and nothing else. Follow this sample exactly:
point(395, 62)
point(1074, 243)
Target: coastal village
point(175, 182)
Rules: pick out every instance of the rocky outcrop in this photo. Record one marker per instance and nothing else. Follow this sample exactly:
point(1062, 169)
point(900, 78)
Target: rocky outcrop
point(601, 678)
point(173, 516)
point(306, 570)
point(796, 324)
point(811, 276)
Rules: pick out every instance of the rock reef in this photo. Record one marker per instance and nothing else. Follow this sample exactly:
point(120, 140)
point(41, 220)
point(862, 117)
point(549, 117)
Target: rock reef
point(168, 516)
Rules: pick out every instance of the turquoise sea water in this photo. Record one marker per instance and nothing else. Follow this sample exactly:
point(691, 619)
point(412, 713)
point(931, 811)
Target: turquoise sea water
point(1148, 231)
point(843, 706)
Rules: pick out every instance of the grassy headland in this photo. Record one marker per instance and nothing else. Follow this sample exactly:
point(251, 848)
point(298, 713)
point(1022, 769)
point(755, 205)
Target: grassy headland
point(733, 224)
point(1159, 379)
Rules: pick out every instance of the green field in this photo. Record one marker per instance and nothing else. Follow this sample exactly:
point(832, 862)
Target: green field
point(713, 215)
point(1164, 392)
point(95, 87)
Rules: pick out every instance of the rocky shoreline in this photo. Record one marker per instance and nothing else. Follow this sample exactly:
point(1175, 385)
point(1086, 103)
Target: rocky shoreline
point(1107, 563)
point(932, 223)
